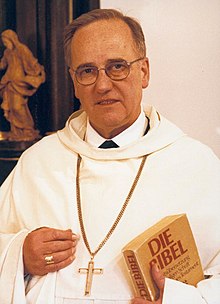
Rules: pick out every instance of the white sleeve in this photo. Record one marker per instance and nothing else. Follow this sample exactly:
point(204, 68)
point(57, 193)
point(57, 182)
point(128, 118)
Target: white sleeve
point(12, 269)
point(207, 292)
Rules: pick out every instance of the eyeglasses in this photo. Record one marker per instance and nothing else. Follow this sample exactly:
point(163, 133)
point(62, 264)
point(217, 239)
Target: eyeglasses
point(116, 70)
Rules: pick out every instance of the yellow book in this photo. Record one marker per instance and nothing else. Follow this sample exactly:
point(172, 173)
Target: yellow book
point(171, 245)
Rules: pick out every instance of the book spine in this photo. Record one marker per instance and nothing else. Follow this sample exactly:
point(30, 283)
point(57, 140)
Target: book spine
point(138, 281)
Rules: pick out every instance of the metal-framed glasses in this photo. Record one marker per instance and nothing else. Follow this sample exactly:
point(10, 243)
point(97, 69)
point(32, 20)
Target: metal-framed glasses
point(115, 69)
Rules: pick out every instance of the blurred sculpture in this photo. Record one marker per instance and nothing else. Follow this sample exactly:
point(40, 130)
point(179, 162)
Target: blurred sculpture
point(22, 78)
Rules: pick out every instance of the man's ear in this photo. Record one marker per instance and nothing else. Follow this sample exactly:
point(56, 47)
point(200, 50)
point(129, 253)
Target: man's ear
point(72, 74)
point(74, 82)
point(145, 73)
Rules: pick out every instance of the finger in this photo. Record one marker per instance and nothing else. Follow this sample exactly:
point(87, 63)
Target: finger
point(52, 234)
point(158, 277)
point(60, 256)
point(56, 261)
point(57, 246)
point(35, 250)
point(139, 301)
point(44, 234)
point(61, 264)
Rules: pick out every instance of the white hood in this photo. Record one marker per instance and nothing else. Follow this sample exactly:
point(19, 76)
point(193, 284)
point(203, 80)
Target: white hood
point(161, 134)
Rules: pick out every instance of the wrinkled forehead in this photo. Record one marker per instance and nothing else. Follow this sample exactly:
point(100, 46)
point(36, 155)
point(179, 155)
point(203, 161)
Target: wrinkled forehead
point(102, 36)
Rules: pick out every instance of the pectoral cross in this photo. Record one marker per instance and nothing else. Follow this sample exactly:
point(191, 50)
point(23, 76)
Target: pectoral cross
point(90, 271)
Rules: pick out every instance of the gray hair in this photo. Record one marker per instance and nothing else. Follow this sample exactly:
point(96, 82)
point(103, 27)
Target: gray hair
point(103, 14)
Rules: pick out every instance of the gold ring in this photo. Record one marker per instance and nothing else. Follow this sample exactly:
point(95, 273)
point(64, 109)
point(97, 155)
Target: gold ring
point(49, 259)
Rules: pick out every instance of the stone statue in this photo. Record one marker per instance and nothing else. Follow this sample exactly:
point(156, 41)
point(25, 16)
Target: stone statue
point(23, 76)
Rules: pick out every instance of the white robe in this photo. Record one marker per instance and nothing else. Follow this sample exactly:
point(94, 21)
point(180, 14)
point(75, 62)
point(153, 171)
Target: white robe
point(181, 175)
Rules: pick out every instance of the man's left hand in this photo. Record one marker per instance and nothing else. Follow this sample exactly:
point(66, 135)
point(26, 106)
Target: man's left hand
point(159, 279)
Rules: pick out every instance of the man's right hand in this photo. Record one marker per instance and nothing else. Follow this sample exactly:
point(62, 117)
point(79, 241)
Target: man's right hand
point(57, 246)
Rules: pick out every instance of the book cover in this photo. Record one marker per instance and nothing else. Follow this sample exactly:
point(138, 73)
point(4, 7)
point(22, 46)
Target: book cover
point(171, 245)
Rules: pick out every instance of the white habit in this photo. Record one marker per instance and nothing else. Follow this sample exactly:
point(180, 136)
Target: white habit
point(181, 175)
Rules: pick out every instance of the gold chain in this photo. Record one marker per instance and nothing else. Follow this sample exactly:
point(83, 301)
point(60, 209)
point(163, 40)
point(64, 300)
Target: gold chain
point(79, 208)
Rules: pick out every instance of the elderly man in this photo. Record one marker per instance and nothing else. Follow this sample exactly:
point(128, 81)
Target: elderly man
point(71, 204)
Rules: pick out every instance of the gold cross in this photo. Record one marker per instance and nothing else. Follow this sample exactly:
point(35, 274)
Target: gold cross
point(90, 272)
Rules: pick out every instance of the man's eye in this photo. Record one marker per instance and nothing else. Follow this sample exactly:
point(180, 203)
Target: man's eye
point(88, 70)
point(118, 66)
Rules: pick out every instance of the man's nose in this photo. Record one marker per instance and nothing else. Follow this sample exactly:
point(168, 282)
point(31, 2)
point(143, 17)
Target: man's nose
point(103, 82)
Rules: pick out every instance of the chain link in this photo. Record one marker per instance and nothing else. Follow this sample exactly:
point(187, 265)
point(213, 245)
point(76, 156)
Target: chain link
point(79, 207)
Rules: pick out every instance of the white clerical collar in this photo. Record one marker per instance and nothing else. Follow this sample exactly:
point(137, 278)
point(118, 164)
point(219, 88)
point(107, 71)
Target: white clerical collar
point(135, 131)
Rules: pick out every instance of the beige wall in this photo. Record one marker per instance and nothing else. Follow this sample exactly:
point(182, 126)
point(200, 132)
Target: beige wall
point(183, 38)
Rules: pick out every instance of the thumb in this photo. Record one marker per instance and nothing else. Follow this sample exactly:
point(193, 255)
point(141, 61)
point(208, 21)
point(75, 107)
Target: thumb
point(158, 277)
point(138, 301)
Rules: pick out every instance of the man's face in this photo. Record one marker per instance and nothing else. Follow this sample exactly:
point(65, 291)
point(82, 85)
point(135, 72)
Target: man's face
point(112, 106)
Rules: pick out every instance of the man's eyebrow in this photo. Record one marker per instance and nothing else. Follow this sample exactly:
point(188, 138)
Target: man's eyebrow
point(92, 64)
point(84, 65)
point(115, 60)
